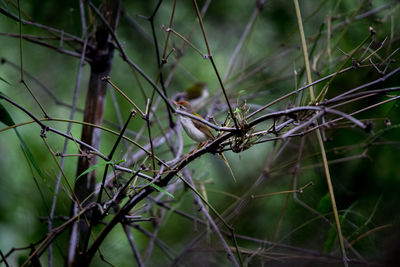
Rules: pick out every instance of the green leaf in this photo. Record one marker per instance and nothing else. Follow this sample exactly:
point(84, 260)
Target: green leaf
point(7, 120)
point(5, 116)
point(98, 165)
point(325, 204)
point(161, 190)
point(119, 161)
point(174, 207)
point(101, 164)
point(330, 239)
point(3, 80)
point(30, 156)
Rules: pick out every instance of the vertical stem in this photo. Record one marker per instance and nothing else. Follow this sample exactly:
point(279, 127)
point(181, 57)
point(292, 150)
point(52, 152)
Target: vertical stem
point(213, 64)
point(242, 39)
point(71, 117)
point(132, 243)
point(159, 62)
point(328, 37)
point(319, 137)
point(102, 57)
point(332, 194)
point(20, 42)
point(164, 56)
point(304, 47)
point(21, 63)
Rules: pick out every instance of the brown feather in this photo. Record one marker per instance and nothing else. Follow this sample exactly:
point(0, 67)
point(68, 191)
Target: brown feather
point(201, 126)
point(204, 128)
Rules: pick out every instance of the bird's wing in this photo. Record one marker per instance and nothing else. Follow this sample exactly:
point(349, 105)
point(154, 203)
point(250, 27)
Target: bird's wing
point(204, 128)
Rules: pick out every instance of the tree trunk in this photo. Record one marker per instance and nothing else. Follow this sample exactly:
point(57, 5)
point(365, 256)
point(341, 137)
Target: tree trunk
point(101, 58)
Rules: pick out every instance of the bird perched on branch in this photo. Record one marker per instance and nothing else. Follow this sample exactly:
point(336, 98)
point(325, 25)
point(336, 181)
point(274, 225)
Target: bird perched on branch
point(197, 130)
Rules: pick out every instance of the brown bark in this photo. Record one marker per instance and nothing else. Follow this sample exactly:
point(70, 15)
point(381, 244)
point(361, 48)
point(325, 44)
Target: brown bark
point(101, 57)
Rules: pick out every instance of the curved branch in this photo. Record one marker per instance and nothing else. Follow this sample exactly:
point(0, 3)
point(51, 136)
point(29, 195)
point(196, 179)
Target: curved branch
point(50, 129)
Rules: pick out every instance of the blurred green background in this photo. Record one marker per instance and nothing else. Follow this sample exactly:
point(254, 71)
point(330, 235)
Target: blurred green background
point(365, 174)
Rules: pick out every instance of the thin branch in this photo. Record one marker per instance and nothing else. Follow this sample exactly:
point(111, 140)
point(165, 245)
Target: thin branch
point(71, 116)
point(382, 79)
point(132, 243)
point(319, 137)
point(111, 154)
point(305, 108)
point(199, 17)
point(296, 92)
point(304, 47)
point(241, 40)
point(56, 232)
point(128, 60)
point(50, 129)
point(47, 28)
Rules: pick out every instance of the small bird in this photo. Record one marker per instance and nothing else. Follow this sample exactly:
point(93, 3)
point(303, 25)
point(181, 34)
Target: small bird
point(196, 95)
point(196, 130)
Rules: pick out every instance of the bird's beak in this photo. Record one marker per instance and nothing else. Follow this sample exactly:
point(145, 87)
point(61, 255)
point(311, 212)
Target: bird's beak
point(174, 102)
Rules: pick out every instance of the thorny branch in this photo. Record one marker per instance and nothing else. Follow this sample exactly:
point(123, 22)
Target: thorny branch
point(129, 202)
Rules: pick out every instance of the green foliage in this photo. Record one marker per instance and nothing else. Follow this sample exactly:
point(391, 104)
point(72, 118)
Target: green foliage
point(268, 65)
point(5, 118)
point(160, 189)
point(4, 80)
point(324, 205)
point(330, 240)
point(98, 165)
